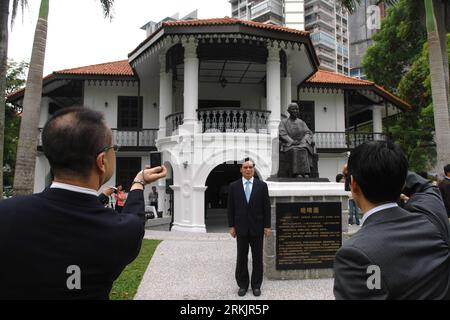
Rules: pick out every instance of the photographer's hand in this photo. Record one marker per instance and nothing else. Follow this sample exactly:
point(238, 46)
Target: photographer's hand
point(108, 191)
point(148, 175)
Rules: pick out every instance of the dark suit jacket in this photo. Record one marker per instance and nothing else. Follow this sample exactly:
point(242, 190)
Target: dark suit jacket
point(411, 247)
point(43, 234)
point(249, 218)
point(444, 187)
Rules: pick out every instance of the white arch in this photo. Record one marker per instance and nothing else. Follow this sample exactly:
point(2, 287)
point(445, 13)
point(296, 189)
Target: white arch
point(263, 167)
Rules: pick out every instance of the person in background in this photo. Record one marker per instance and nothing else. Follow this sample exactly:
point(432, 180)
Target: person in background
point(120, 198)
point(153, 198)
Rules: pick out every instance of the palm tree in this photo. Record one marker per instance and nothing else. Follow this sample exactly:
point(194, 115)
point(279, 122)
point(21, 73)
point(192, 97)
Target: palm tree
point(27, 146)
point(437, 14)
point(4, 15)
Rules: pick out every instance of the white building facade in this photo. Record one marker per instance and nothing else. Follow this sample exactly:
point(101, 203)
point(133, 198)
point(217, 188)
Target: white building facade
point(207, 94)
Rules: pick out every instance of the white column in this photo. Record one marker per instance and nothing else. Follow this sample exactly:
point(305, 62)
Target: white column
point(190, 83)
point(165, 95)
point(286, 88)
point(189, 207)
point(273, 87)
point(43, 116)
point(377, 121)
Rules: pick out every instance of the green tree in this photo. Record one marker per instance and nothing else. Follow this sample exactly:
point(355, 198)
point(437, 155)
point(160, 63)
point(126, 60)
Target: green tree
point(4, 16)
point(28, 138)
point(15, 79)
point(437, 18)
point(398, 42)
point(416, 132)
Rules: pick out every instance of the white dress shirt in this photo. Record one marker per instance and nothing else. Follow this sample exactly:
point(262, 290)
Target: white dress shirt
point(377, 209)
point(71, 187)
point(251, 183)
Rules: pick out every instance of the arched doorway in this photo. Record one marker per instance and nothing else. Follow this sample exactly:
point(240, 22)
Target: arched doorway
point(216, 195)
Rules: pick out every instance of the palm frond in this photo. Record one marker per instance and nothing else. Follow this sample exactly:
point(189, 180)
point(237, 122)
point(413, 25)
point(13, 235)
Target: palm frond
point(15, 5)
point(107, 6)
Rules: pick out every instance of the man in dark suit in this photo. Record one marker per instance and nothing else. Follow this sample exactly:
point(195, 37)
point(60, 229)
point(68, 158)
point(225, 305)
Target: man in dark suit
point(63, 243)
point(249, 220)
point(399, 253)
point(444, 187)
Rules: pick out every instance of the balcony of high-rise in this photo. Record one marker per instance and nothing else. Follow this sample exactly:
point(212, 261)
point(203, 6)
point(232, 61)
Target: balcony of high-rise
point(318, 18)
point(323, 39)
point(320, 9)
point(328, 3)
point(324, 54)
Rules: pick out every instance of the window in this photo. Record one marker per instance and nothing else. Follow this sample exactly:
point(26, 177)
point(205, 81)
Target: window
point(129, 113)
point(126, 171)
point(307, 114)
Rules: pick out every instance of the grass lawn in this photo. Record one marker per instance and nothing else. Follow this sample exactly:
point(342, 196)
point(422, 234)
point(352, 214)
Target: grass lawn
point(125, 287)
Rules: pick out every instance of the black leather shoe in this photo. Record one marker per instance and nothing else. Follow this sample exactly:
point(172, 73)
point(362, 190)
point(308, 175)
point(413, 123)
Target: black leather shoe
point(242, 292)
point(256, 292)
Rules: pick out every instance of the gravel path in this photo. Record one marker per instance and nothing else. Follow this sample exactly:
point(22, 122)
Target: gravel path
point(201, 267)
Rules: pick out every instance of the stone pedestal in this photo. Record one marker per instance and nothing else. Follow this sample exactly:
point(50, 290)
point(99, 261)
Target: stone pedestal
point(300, 192)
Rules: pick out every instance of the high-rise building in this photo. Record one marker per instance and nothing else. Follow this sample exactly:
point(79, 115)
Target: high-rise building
point(325, 19)
point(364, 22)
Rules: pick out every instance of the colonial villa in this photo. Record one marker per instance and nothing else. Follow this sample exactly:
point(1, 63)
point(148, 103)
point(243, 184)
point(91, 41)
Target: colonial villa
point(206, 94)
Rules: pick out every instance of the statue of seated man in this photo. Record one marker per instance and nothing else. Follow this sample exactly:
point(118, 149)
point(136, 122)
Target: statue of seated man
point(296, 144)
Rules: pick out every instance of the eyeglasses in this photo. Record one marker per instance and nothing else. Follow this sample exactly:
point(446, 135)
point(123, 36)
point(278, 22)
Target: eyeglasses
point(115, 147)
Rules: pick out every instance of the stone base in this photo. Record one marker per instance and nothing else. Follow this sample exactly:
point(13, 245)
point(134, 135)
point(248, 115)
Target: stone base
point(277, 179)
point(291, 192)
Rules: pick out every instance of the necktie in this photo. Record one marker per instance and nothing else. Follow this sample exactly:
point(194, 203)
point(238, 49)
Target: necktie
point(247, 190)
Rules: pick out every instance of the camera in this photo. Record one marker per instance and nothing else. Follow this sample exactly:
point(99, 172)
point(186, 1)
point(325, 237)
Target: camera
point(155, 159)
point(115, 189)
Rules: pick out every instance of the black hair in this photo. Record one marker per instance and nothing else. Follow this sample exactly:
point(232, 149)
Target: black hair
point(447, 168)
point(339, 177)
point(72, 138)
point(423, 174)
point(248, 159)
point(380, 169)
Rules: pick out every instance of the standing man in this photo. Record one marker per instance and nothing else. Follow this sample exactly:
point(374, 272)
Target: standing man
point(63, 243)
point(153, 198)
point(444, 187)
point(249, 221)
point(399, 253)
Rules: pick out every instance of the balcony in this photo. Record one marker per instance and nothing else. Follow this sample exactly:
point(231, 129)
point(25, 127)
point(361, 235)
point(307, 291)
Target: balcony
point(128, 139)
point(334, 141)
point(224, 120)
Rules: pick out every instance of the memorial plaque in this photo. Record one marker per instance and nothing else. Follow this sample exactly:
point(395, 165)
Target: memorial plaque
point(308, 234)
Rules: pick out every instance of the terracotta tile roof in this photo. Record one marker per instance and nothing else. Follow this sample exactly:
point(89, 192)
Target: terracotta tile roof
point(116, 68)
point(218, 22)
point(327, 77)
point(229, 21)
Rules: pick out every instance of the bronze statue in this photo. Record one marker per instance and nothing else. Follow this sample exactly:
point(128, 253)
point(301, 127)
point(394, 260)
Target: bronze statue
point(296, 146)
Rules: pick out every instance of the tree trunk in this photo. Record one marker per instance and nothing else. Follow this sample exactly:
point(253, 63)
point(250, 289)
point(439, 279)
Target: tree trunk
point(4, 13)
point(439, 82)
point(27, 146)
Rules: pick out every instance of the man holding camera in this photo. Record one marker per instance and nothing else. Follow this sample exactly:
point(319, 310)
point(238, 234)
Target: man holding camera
point(64, 243)
point(399, 253)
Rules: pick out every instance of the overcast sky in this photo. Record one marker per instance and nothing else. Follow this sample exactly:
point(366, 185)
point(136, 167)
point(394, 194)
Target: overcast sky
point(78, 35)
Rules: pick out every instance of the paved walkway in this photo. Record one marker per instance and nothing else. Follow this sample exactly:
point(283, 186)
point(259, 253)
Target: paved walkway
point(201, 267)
